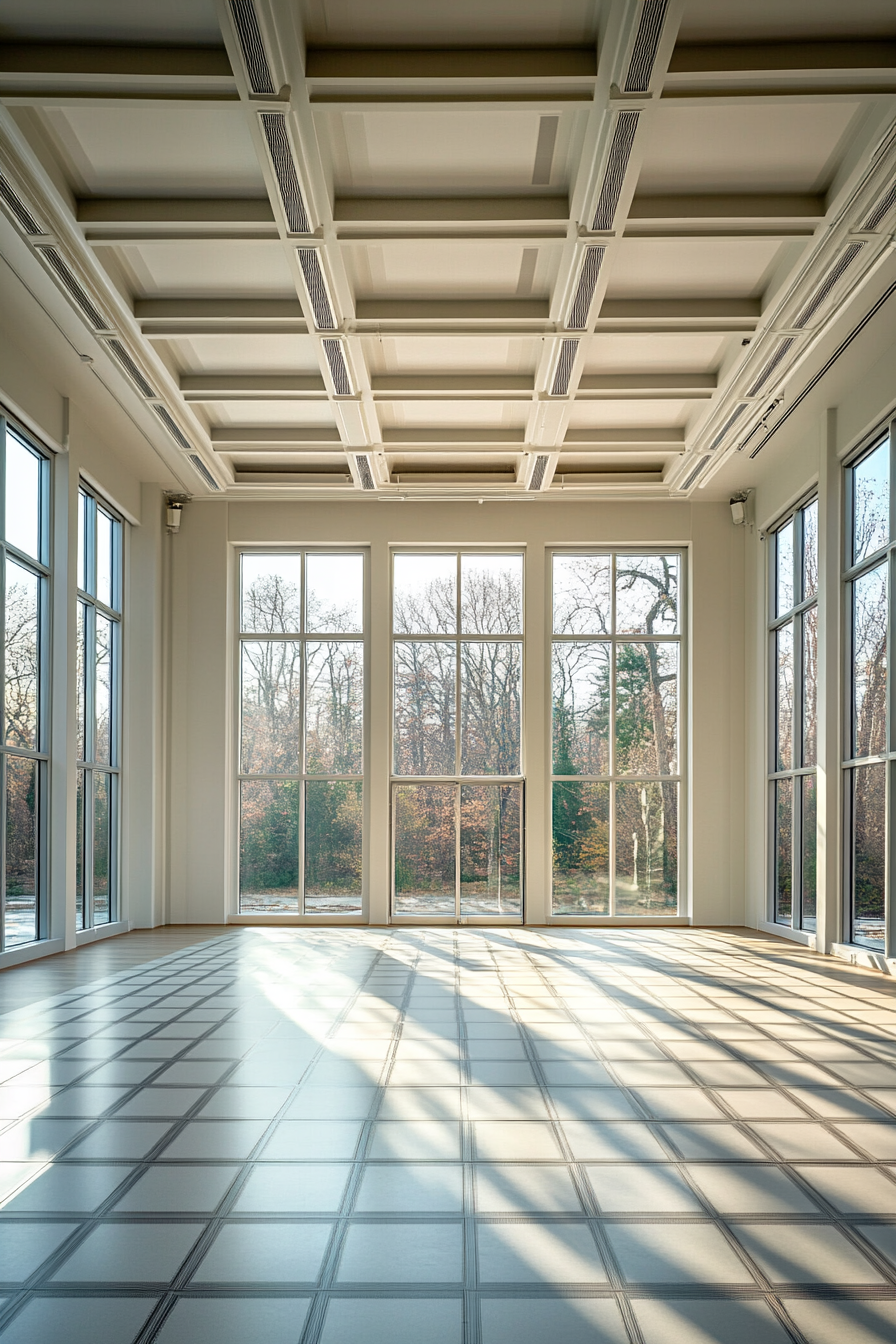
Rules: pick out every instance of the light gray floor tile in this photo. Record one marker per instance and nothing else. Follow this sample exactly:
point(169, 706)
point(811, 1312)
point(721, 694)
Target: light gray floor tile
point(524, 1140)
point(178, 1189)
point(802, 1141)
point(853, 1189)
point(393, 1321)
point(120, 1138)
point(243, 1103)
point(255, 1253)
point(708, 1322)
point(129, 1253)
point(324, 1103)
point(192, 1073)
point(538, 1253)
point(310, 1140)
point(89, 1101)
point(760, 1103)
point(402, 1253)
point(25, 1246)
point(495, 1049)
point(525, 1189)
point(75, 1189)
point(660, 1253)
point(506, 1103)
point(79, 1320)
point(404, 1140)
point(420, 1073)
point(844, 1322)
point(235, 1320)
point(621, 1142)
point(420, 1103)
point(592, 1103)
point(795, 1253)
point(532, 1321)
point(837, 1103)
point(882, 1236)
point(216, 1138)
point(38, 1139)
point(582, 1073)
point(167, 1101)
point(678, 1103)
point(312, 1188)
point(437, 1188)
point(633, 1188)
point(712, 1141)
point(750, 1188)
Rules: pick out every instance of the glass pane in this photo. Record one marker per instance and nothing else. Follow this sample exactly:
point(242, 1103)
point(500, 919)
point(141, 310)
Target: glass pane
point(425, 595)
point(784, 697)
point(79, 849)
point(784, 569)
point(490, 849)
point(333, 826)
point(580, 709)
point(810, 844)
point(646, 594)
point(104, 530)
point(23, 471)
point(21, 851)
point(490, 688)
point(871, 503)
point(646, 849)
point(810, 550)
point(81, 680)
point(82, 541)
point(582, 595)
point(810, 686)
point(22, 657)
point(491, 594)
point(783, 850)
point(869, 830)
point(272, 593)
point(269, 846)
point(869, 626)
point(102, 848)
point(425, 708)
point(580, 825)
point(103, 691)
point(334, 594)
point(425, 836)
point(271, 733)
point(647, 709)
point(334, 708)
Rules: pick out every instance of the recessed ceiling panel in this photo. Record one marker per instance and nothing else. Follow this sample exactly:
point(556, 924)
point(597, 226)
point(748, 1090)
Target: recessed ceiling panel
point(450, 270)
point(677, 268)
point(672, 353)
point(770, 20)
point(245, 354)
point(270, 414)
point(629, 414)
point(451, 354)
point(202, 268)
point(452, 415)
point(185, 21)
point(408, 22)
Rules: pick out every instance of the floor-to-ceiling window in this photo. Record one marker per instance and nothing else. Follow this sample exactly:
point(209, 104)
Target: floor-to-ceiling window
point(457, 784)
point(25, 481)
point(793, 657)
point(301, 752)
point(616, 732)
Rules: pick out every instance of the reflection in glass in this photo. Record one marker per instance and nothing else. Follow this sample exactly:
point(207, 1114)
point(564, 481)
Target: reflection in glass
point(646, 708)
point(23, 474)
point(491, 594)
point(102, 848)
point(22, 657)
point(333, 825)
point(869, 634)
point(104, 558)
point(810, 550)
point(783, 850)
point(490, 690)
point(580, 824)
point(334, 594)
point(868, 843)
point(271, 597)
point(582, 595)
point(21, 851)
point(79, 848)
point(425, 860)
point(784, 697)
point(424, 695)
point(646, 594)
point(809, 847)
point(81, 681)
point(646, 848)
point(271, 700)
point(810, 685)
point(82, 541)
point(490, 849)
point(424, 594)
point(269, 846)
point(580, 708)
point(871, 503)
point(103, 690)
point(784, 569)
point(334, 707)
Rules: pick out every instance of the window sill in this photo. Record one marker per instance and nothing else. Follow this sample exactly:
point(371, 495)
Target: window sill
point(863, 956)
point(785, 931)
point(101, 931)
point(16, 956)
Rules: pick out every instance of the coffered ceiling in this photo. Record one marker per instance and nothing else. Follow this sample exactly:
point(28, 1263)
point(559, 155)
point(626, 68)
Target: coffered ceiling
point(501, 247)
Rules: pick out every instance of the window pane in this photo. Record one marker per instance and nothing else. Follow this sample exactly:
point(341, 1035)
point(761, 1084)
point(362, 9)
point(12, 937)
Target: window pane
point(272, 593)
point(21, 851)
point(647, 594)
point(646, 708)
point(82, 541)
point(334, 708)
point(271, 707)
point(784, 568)
point(490, 849)
point(81, 680)
point(424, 708)
point(871, 503)
point(580, 824)
point(810, 685)
point(646, 849)
point(104, 529)
point(102, 849)
point(103, 691)
point(490, 685)
point(784, 697)
point(810, 549)
point(491, 594)
point(22, 657)
point(869, 625)
point(582, 595)
point(810, 844)
point(783, 850)
point(425, 835)
point(425, 594)
point(333, 826)
point(269, 846)
point(23, 471)
point(79, 849)
point(868, 840)
point(580, 699)
point(334, 594)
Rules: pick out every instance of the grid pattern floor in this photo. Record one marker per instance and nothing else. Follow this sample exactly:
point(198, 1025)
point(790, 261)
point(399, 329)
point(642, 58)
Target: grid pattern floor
point(457, 1137)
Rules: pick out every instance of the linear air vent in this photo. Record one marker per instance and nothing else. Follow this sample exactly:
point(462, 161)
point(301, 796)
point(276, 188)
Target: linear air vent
point(581, 303)
point(689, 480)
point(173, 428)
point(73, 287)
point(647, 40)
point(729, 424)
point(274, 126)
point(245, 21)
point(824, 290)
point(204, 472)
point(365, 475)
point(617, 164)
point(883, 207)
point(17, 208)
point(342, 383)
point(563, 371)
point(770, 365)
point(317, 289)
point(127, 363)
point(538, 472)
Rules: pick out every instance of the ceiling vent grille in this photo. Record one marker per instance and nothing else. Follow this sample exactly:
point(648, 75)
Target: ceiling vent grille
point(824, 290)
point(771, 364)
point(73, 287)
point(650, 27)
point(173, 428)
point(538, 472)
point(563, 371)
point(729, 424)
point(245, 21)
point(317, 289)
point(130, 367)
point(617, 164)
point(204, 472)
point(690, 479)
point(581, 303)
point(342, 383)
point(274, 126)
point(17, 207)
point(883, 207)
point(365, 475)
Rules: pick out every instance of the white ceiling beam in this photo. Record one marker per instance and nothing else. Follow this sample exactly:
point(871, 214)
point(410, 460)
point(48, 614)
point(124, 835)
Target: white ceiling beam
point(110, 221)
point(421, 211)
point(757, 68)
point(282, 439)
point(250, 387)
point(405, 387)
point(761, 215)
point(598, 440)
point(446, 310)
point(37, 72)
point(610, 386)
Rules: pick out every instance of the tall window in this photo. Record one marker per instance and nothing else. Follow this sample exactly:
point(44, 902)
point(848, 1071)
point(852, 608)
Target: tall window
point(457, 621)
point(301, 732)
point(792, 768)
point(98, 801)
point(615, 733)
point(23, 760)
point(870, 746)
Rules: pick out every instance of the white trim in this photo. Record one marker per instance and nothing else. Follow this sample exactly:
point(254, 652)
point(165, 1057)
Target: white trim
point(786, 931)
point(31, 952)
point(102, 931)
point(863, 956)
